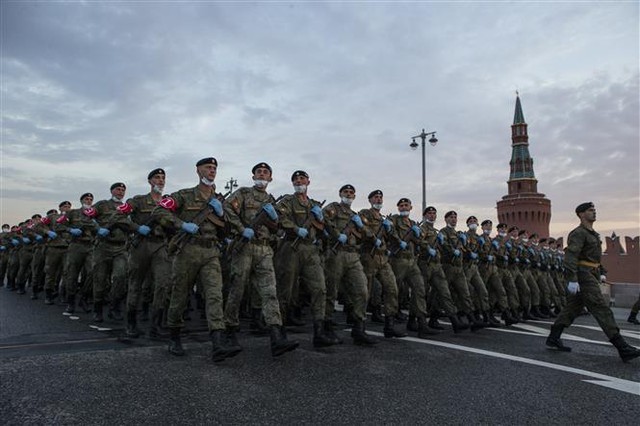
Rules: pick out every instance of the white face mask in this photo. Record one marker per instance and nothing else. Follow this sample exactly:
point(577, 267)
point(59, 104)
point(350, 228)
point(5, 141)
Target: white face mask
point(451, 226)
point(116, 199)
point(486, 231)
point(346, 200)
point(473, 226)
point(300, 189)
point(405, 214)
point(157, 189)
point(525, 240)
point(376, 206)
point(206, 181)
point(535, 244)
point(5, 229)
point(502, 234)
point(260, 183)
point(429, 221)
point(86, 206)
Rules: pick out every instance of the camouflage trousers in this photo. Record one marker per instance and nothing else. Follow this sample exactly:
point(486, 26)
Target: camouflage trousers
point(436, 287)
point(109, 272)
point(54, 267)
point(301, 266)
point(406, 270)
point(344, 271)
point(79, 260)
point(13, 267)
point(524, 292)
point(253, 265)
point(377, 266)
point(497, 293)
point(459, 288)
point(477, 288)
point(534, 288)
point(149, 265)
point(4, 266)
point(24, 272)
point(510, 287)
point(196, 264)
point(37, 268)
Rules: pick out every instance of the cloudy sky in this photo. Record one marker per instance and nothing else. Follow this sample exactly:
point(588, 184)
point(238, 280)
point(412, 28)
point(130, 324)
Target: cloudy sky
point(97, 92)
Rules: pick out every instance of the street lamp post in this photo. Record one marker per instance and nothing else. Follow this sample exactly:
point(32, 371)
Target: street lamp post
point(414, 145)
point(230, 186)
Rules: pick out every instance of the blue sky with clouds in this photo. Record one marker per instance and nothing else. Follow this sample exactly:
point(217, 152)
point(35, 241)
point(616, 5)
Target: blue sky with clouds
point(98, 92)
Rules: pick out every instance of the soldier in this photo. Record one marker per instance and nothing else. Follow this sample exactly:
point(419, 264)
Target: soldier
point(298, 258)
point(253, 220)
point(40, 228)
point(539, 272)
point(4, 251)
point(502, 245)
point(26, 253)
point(514, 251)
point(198, 258)
point(436, 285)
point(79, 224)
point(375, 261)
point(525, 256)
point(56, 251)
point(633, 315)
point(13, 263)
point(404, 263)
point(343, 262)
point(584, 274)
point(452, 245)
point(148, 257)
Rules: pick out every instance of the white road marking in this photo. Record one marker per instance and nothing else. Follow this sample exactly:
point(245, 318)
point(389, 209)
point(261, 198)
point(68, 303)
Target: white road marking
point(626, 333)
point(95, 327)
point(622, 385)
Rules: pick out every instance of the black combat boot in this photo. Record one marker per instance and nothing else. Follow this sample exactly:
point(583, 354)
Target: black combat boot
point(48, 297)
point(475, 323)
point(400, 317)
point(279, 342)
point(155, 331)
point(626, 351)
point(546, 310)
point(433, 323)
point(292, 320)
point(376, 315)
point(144, 315)
point(330, 332)
point(457, 324)
point(71, 304)
point(360, 336)
point(320, 338)
point(219, 351)
point(233, 346)
point(132, 331)
point(84, 305)
point(97, 312)
point(633, 318)
point(536, 311)
point(34, 293)
point(412, 324)
point(389, 329)
point(490, 320)
point(424, 331)
point(515, 316)
point(348, 309)
point(507, 318)
point(115, 311)
point(175, 346)
point(257, 324)
point(554, 341)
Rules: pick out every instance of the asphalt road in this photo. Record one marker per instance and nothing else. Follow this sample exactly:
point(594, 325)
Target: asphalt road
point(58, 370)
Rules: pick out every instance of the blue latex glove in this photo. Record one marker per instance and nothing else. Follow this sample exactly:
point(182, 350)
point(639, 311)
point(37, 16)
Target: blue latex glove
point(270, 211)
point(342, 239)
point(495, 244)
point(357, 220)
point(440, 237)
point(527, 261)
point(386, 224)
point(573, 287)
point(248, 233)
point(189, 228)
point(481, 241)
point(26, 240)
point(403, 245)
point(432, 252)
point(456, 253)
point(474, 255)
point(508, 245)
point(15, 242)
point(103, 232)
point(463, 238)
point(490, 258)
point(316, 211)
point(144, 230)
point(39, 238)
point(416, 231)
point(302, 232)
point(216, 206)
point(378, 242)
point(76, 232)
point(505, 258)
point(517, 260)
point(531, 251)
point(3, 248)
point(52, 235)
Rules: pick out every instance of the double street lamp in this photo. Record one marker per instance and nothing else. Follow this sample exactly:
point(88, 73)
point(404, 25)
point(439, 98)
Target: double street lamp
point(414, 145)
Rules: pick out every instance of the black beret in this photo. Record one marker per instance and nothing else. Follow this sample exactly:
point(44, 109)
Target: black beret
point(374, 193)
point(261, 166)
point(449, 213)
point(552, 240)
point(429, 209)
point(584, 207)
point(347, 186)
point(86, 194)
point(154, 172)
point(486, 222)
point(524, 231)
point(403, 200)
point(513, 228)
point(118, 185)
point(66, 203)
point(207, 160)
point(502, 225)
point(470, 218)
point(36, 216)
point(299, 173)
point(542, 240)
point(534, 235)
point(52, 211)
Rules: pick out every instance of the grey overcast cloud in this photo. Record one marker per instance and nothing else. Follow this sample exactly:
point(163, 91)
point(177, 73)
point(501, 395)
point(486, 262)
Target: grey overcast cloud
point(96, 92)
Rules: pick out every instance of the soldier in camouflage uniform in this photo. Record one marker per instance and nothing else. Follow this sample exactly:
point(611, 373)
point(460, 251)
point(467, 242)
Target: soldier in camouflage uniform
point(13, 263)
point(502, 250)
point(56, 251)
point(40, 228)
point(79, 224)
point(514, 250)
point(25, 256)
point(5, 244)
point(148, 256)
point(197, 259)
point(376, 236)
point(343, 267)
point(404, 262)
point(253, 220)
point(584, 273)
point(298, 257)
point(548, 293)
point(525, 266)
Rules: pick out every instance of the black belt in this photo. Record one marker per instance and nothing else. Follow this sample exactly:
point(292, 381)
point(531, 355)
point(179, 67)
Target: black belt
point(204, 243)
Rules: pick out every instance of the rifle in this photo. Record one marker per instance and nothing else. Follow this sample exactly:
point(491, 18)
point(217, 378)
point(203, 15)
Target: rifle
point(378, 234)
point(257, 221)
point(407, 235)
point(135, 240)
point(178, 241)
point(347, 230)
point(307, 223)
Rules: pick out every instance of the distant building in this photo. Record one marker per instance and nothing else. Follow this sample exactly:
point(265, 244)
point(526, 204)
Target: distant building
point(623, 269)
point(523, 206)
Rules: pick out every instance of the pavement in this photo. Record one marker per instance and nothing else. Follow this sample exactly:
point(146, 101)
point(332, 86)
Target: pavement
point(56, 369)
